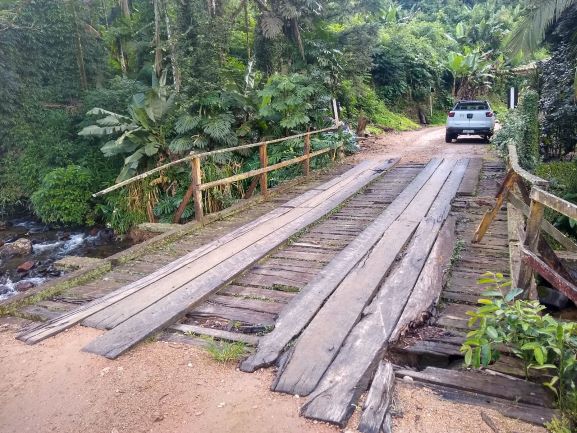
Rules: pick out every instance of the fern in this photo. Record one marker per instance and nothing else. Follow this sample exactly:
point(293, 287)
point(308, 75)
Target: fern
point(187, 123)
point(271, 25)
point(181, 144)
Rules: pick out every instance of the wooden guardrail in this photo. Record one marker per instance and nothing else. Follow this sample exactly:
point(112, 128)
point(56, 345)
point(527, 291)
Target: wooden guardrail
point(527, 194)
point(196, 187)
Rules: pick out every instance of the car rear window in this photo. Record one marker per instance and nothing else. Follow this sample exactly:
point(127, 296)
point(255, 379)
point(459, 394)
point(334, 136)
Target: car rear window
point(471, 106)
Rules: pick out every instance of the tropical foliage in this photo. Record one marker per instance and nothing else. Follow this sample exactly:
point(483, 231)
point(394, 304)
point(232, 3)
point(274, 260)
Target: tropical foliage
point(121, 86)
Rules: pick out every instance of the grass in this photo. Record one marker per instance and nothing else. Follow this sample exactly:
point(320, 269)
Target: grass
point(457, 250)
point(224, 351)
point(387, 119)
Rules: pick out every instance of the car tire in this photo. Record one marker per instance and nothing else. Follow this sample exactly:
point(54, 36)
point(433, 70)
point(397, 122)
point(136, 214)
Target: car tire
point(448, 138)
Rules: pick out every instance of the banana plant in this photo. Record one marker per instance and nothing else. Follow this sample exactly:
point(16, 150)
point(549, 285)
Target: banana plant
point(141, 134)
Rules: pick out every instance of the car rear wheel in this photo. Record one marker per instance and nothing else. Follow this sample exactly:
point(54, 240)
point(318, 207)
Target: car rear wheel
point(449, 137)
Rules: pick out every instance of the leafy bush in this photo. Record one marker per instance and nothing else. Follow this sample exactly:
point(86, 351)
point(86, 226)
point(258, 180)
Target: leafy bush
point(538, 339)
point(64, 196)
point(521, 128)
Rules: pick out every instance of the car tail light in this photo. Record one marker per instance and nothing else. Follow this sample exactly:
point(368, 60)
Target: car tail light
point(451, 114)
point(489, 114)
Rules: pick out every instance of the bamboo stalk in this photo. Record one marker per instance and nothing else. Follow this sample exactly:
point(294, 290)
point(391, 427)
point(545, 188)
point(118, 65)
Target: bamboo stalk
point(203, 155)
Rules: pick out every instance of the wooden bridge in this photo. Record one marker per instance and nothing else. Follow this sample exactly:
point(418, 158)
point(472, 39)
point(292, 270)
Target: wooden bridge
point(331, 282)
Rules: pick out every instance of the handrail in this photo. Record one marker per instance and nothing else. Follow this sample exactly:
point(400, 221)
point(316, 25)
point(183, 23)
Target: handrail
point(529, 177)
point(209, 153)
point(549, 267)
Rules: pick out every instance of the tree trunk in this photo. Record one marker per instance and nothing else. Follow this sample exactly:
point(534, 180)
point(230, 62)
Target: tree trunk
point(157, 49)
point(173, 54)
point(79, 50)
point(125, 9)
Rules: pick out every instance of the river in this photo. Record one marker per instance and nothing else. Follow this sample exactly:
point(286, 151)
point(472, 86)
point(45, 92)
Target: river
point(49, 244)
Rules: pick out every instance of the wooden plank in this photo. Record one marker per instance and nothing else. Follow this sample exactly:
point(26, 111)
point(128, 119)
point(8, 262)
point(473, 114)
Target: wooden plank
point(490, 215)
point(378, 400)
point(219, 334)
point(344, 381)
point(430, 283)
point(173, 306)
point(324, 335)
point(529, 413)
point(552, 201)
point(501, 386)
point(119, 312)
point(232, 314)
point(301, 311)
point(470, 181)
point(40, 332)
point(257, 293)
point(531, 241)
point(534, 262)
point(247, 304)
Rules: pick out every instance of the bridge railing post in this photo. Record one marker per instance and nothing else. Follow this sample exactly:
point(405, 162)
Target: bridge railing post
point(263, 156)
point(307, 153)
point(197, 192)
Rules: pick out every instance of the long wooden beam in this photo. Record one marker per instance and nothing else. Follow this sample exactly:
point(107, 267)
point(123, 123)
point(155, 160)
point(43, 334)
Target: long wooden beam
point(531, 178)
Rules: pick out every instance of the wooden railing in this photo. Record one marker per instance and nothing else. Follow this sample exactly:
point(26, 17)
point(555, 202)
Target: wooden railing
point(538, 258)
point(527, 195)
point(196, 187)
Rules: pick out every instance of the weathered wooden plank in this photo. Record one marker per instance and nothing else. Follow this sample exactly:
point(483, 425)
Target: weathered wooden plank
point(535, 263)
point(345, 379)
point(529, 413)
point(552, 201)
point(38, 333)
point(501, 386)
point(269, 281)
point(232, 314)
point(324, 335)
point(378, 400)
point(532, 234)
point(430, 283)
point(219, 334)
point(470, 181)
point(300, 312)
point(128, 307)
point(173, 306)
point(257, 293)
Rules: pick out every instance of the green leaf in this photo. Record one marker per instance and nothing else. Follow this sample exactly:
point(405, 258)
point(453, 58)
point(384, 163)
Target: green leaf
point(468, 356)
point(539, 355)
point(492, 332)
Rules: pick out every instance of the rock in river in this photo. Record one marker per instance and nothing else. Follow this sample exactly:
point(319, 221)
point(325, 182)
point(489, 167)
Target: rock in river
point(22, 286)
point(20, 247)
point(26, 266)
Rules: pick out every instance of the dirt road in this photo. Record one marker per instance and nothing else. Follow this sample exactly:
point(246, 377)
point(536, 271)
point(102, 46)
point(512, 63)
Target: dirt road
point(170, 388)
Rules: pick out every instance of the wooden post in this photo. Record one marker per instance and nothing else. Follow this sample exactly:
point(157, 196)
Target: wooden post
point(307, 152)
point(262, 152)
point(185, 200)
point(531, 244)
point(197, 193)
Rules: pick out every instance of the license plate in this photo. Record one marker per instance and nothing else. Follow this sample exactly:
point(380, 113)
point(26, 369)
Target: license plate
point(468, 131)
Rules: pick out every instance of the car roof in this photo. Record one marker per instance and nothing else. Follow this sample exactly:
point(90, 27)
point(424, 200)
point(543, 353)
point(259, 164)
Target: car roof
point(473, 101)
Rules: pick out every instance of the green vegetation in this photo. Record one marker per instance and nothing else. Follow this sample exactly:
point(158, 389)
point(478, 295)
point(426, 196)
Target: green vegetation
point(539, 340)
point(224, 351)
point(117, 87)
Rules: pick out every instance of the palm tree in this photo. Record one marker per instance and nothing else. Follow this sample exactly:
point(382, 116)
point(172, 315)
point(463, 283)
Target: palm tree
point(540, 15)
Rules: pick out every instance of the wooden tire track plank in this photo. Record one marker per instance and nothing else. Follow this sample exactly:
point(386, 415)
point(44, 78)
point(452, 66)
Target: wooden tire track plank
point(347, 377)
point(378, 399)
point(122, 310)
point(501, 386)
point(472, 177)
point(175, 305)
point(39, 333)
point(323, 337)
point(301, 311)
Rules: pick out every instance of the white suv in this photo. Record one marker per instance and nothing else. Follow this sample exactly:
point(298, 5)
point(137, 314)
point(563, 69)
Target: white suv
point(470, 118)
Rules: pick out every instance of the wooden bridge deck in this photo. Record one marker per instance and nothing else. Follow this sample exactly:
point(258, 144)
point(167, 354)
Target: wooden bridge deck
point(399, 223)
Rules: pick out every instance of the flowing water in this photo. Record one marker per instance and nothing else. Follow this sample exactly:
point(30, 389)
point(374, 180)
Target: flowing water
point(49, 244)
